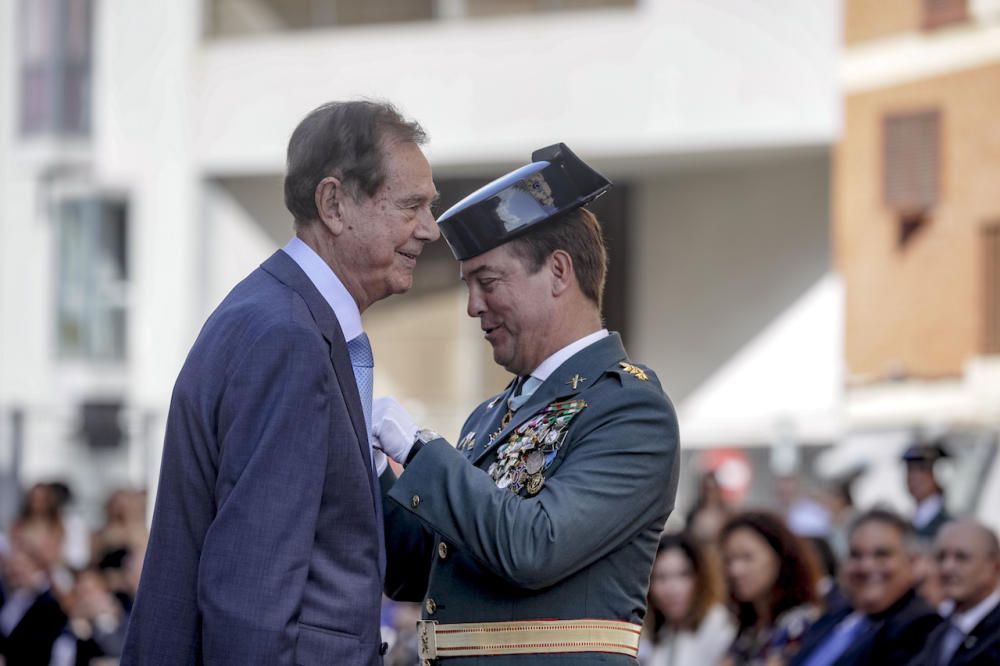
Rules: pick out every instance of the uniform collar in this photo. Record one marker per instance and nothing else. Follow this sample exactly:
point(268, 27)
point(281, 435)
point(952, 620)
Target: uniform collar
point(572, 376)
point(549, 365)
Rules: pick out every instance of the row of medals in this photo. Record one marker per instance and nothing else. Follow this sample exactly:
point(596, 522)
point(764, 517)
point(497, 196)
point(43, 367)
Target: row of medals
point(530, 448)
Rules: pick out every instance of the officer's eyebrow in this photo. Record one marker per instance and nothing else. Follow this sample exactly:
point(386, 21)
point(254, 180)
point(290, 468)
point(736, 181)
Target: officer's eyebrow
point(475, 271)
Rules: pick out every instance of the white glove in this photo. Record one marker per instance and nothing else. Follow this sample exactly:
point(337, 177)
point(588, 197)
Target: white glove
point(381, 462)
point(392, 428)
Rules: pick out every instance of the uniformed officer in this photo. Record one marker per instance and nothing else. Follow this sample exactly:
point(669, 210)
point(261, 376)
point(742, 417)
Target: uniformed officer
point(922, 484)
point(532, 540)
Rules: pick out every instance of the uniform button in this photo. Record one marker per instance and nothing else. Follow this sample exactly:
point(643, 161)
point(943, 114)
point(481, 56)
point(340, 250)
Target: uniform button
point(442, 550)
point(415, 501)
point(430, 606)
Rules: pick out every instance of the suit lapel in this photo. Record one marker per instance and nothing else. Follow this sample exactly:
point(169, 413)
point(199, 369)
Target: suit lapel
point(932, 647)
point(982, 636)
point(862, 645)
point(284, 268)
point(819, 632)
point(587, 366)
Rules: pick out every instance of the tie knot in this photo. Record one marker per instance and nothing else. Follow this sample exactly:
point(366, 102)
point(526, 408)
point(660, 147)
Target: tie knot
point(360, 351)
point(522, 391)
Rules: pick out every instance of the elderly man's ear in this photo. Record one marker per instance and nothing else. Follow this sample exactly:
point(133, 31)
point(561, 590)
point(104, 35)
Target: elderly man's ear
point(330, 195)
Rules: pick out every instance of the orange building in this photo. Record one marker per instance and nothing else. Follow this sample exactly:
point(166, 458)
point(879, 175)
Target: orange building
point(916, 210)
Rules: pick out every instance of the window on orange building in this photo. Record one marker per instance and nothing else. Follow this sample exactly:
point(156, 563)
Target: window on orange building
point(911, 168)
point(942, 12)
point(991, 288)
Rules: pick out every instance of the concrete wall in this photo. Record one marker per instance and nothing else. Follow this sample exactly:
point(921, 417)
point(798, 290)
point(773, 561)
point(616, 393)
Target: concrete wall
point(720, 253)
point(669, 76)
point(192, 134)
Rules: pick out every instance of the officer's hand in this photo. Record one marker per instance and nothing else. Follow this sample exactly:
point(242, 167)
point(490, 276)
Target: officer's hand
point(392, 428)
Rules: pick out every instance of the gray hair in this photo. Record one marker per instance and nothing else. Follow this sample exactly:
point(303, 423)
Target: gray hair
point(344, 140)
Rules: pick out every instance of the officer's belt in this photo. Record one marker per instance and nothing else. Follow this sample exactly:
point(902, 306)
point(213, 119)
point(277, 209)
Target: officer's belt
point(440, 641)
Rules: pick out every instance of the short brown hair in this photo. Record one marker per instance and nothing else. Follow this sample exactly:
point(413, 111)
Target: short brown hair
point(345, 140)
point(578, 233)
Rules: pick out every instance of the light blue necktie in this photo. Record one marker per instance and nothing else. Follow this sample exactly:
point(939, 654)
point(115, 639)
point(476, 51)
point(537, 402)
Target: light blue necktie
point(363, 363)
point(952, 638)
point(527, 387)
point(360, 351)
point(840, 640)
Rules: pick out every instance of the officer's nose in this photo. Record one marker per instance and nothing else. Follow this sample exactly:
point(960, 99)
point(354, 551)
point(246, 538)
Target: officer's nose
point(475, 306)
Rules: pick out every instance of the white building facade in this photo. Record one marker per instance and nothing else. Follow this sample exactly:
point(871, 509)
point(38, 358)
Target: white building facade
point(132, 203)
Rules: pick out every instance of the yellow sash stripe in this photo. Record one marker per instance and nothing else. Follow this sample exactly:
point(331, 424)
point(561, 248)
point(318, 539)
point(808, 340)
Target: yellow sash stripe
point(532, 637)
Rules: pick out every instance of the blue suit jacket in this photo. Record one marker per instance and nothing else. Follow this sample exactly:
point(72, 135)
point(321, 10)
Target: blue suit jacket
point(266, 544)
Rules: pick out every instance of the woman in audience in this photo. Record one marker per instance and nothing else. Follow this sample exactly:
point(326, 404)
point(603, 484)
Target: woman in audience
point(772, 579)
point(686, 622)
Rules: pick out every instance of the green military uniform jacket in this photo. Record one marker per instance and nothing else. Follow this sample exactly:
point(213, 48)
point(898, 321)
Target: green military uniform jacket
point(579, 544)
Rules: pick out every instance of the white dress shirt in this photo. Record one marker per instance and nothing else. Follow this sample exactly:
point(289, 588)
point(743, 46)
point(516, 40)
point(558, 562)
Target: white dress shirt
point(926, 511)
point(968, 620)
point(329, 285)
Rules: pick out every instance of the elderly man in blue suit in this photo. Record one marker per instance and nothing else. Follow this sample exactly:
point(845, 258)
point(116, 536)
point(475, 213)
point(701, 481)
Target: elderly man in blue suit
point(266, 543)
point(532, 541)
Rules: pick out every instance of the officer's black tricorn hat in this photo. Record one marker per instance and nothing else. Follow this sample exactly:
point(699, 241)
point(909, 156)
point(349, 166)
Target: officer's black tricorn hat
point(925, 453)
point(556, 181)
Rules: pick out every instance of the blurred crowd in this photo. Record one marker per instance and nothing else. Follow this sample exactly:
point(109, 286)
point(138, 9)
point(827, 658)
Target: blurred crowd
point(65, 590)
point(817, 581)
point(820, 582)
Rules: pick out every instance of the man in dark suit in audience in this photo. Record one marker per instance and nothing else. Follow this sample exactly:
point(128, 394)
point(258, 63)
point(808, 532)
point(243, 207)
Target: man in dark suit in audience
point(968, 557)
point(30, 617)
point(887, 623)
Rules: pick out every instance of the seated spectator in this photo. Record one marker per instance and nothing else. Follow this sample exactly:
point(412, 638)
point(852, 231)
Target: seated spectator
point(968, 557)
point(41, 513)
point(772, 579)
point(709, 513)
point(125, 525)
point(31, 618)
point(686, 622)
point(805, 515)
point(96, 626)
point(829, 589)
point(76, 536)
point(839, 502)
point(887, 623)
point(41, 507)
point(402, 635)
